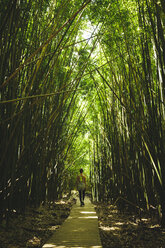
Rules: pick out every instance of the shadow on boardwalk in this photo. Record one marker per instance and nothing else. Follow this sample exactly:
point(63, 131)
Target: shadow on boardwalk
point(79, 230)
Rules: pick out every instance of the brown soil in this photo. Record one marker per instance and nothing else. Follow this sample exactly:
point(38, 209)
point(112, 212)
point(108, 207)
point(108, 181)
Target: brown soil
point(124, 230)
point(117, 230)
point(34, 227)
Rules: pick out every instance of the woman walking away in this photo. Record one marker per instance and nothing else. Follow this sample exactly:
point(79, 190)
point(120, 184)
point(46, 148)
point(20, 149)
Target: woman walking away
point(81, 185)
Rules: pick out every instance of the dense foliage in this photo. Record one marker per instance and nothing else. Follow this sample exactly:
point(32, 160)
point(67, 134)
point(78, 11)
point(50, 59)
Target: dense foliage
point(82, 85)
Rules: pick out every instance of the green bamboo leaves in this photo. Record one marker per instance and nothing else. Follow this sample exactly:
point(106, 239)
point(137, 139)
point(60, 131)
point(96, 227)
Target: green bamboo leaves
point(68, 100)
point(127, 155)
point(37, 92)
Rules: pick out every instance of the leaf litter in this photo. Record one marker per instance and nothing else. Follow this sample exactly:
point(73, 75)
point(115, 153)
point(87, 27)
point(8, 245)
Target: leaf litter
point(32, 229)
point(128, 230)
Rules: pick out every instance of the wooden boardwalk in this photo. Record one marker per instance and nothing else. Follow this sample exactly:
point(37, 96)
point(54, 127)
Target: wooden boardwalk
point(79, 230)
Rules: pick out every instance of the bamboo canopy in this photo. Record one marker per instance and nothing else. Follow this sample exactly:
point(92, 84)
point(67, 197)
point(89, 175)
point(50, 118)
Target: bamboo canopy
point(82, 85)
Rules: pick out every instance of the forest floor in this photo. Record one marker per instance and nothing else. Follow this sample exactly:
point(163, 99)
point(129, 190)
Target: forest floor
point(125, 230)
point(32, 229)
point(117, 230)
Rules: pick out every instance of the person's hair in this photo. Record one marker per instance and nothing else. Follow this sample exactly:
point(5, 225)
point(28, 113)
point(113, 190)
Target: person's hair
point(81, 170)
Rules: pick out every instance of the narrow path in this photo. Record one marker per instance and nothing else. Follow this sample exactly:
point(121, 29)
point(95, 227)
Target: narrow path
point(79, 230)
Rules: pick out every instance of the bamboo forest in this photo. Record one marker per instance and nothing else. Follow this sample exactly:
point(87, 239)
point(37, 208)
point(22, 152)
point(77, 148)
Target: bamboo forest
point(82, 85)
